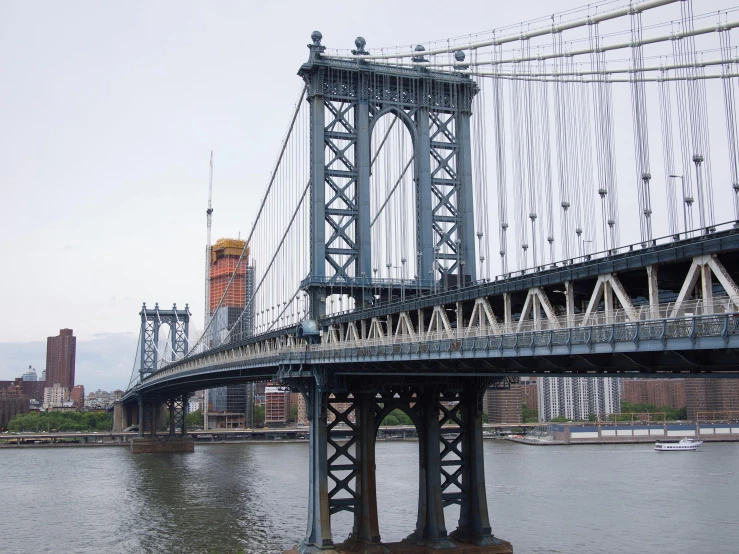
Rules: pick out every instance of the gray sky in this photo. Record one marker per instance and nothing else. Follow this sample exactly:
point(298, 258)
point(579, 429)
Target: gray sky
point(108, 112)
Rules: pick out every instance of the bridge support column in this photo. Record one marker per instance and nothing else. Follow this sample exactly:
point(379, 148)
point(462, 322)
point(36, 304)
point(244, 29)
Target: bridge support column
point(365, 536)
point(318, 535)
point(141, 416)
point(119, 417)
point(430, 528)
point(474, 524)
point(154, 415)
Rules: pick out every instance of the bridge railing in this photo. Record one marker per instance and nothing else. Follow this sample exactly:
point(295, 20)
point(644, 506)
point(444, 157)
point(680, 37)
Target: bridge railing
point(627, 249)
point(692, 327)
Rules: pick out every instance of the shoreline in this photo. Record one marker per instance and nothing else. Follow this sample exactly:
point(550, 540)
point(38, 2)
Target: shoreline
point(534, 442)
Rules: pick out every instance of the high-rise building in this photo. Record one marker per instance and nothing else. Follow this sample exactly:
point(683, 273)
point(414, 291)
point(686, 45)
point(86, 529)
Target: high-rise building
point(229, 406)
point(224, 260)
point(503, 405)
point(711, 399)
point(60, 357)
point(30, 375)
point(576, 398)
point(657, 392)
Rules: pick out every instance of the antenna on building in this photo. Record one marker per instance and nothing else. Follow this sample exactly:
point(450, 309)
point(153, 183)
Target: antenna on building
point(209, 215)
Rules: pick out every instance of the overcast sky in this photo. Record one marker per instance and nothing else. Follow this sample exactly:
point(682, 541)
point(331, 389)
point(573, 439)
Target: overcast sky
point(108, 112)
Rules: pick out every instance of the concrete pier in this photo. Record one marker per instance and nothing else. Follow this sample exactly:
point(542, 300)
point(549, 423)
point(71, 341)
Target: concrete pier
point(164, 443)
point(405, 547)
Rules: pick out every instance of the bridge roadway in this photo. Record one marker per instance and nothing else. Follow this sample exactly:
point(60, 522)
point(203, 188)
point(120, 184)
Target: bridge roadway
point(424, 334)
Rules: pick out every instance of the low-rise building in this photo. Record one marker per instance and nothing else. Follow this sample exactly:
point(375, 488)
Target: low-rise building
point(12, 402)
point(55, 396)
point(77, 397)
point(277, 406)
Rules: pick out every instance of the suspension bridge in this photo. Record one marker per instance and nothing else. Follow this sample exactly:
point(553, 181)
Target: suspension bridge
point(446, 217)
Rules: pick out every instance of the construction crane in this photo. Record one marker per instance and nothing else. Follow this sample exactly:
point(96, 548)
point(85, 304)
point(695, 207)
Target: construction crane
point(209, 215)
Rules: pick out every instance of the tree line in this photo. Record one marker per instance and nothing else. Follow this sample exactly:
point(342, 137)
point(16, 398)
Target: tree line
point(44, 422)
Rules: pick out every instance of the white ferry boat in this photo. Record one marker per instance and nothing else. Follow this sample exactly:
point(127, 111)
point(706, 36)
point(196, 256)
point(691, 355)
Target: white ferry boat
point(684, 443)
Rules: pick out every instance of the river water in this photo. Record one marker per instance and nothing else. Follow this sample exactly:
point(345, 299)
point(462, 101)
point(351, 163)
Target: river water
point(253, 497)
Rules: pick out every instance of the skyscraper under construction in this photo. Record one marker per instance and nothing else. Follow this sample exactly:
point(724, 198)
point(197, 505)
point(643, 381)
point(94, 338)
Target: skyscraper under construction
point(230, 406)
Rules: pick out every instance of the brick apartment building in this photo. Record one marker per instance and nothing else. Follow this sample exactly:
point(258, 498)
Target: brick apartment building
point(529, 393)
point(503, 405)
point(60, 358)
point(658, 392)
point(276, 406)
point(12, 402)
point(707, 397)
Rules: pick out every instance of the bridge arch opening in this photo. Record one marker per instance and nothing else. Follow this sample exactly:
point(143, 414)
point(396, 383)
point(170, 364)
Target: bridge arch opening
point(397, 454)
point(393, 197)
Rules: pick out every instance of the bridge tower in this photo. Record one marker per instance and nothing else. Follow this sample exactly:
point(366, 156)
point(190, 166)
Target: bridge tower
point(152, 409)
point(151, 321)
point(347, 99)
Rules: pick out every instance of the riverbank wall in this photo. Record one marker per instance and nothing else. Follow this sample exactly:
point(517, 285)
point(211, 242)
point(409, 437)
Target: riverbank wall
point(561, 434)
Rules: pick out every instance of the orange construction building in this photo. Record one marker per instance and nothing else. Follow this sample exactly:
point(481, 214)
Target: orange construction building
point(224, 258)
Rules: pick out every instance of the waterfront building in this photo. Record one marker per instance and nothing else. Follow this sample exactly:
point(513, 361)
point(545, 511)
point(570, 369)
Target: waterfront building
point(60, 358)
point(658, 392)
point(229, 407)
point(712, 399)
point(30, 375)
point(576, 398)
point(503, 405)
point(193, 406)
point(12, 402)
point(55, 396)
point(277, 406)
